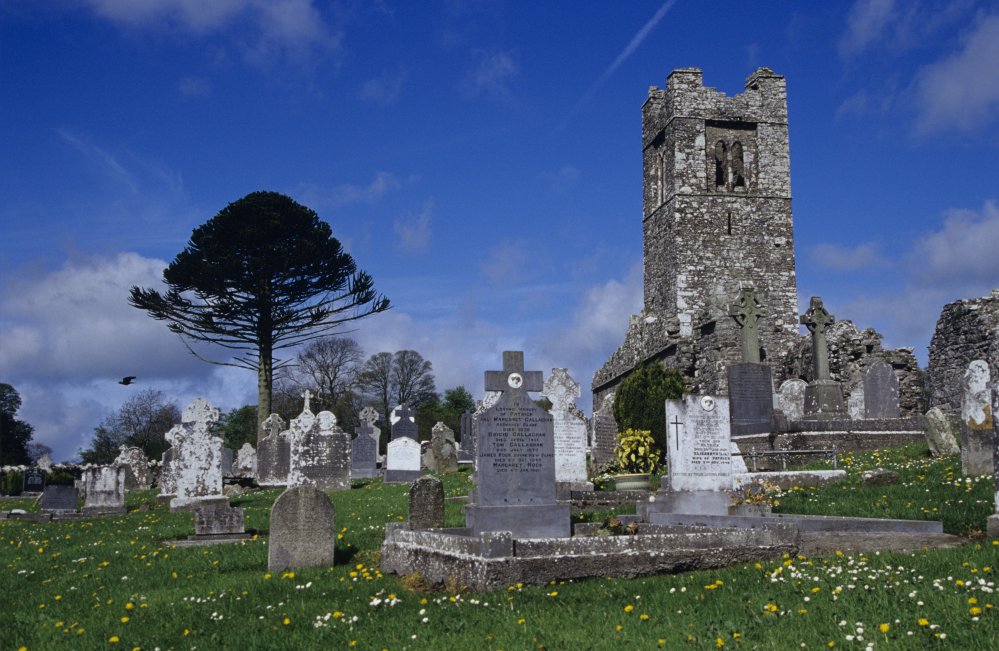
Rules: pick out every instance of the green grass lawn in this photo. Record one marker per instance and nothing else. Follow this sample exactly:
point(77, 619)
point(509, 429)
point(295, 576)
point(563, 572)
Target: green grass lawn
point(116, 583)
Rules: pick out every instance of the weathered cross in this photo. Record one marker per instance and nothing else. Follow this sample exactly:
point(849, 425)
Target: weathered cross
point(403, 413)
point(677, 424)
point(818, 320)
point(513, 376)
point(747, 312)
point(306, 395)
point(368, 416)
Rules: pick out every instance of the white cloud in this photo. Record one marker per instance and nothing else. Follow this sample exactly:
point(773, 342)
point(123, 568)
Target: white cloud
point(414, 231)
point(279, 26)
point(866, 22)
point(962, 252)
point(194, 86)
point(106, 162)
point(563, 179)
point(349, 193)
point(75, 324)
point(384, 89)
point(510, 262)
point(961, 91)
point(843, 258)
point(492, 77)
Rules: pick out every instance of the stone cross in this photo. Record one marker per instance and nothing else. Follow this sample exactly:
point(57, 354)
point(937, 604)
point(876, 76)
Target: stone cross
point(368, 416)
point(818, 320)
point(747, 312)
point(402, 412)
point(513, 376)
point(306, 395)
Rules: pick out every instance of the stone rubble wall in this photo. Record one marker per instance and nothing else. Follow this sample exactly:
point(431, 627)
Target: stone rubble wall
point(967, 330)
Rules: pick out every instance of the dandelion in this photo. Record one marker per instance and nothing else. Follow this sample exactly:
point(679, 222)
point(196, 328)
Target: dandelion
point(923, 621)
point(124, 620)
point(884, 628)
point(629, 608)
point(521, 621)
point(286, 621)
point(114, 639)
point(975, 611)
point(719, 643)
point(644, 617)
point(619, 627)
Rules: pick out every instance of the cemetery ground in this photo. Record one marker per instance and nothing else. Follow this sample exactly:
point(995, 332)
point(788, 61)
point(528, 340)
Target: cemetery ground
point(116, 582)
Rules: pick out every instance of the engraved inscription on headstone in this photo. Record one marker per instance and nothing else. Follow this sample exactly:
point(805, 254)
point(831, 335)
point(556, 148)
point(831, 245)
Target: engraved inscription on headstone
point(34, 480)
point(569, 426)
point(403, 423)
point(750, 390)
point(700, 449)
point(976, 420)
point(364, 447)
point(880, 391)
point(59, 499)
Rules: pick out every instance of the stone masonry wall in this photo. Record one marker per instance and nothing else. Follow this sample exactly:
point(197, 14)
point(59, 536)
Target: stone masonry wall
point(967, 330)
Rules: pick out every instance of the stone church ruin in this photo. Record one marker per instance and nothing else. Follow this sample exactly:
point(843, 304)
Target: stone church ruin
point(717, 221)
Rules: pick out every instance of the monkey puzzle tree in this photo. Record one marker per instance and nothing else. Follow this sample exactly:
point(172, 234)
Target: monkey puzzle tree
point(262, 275)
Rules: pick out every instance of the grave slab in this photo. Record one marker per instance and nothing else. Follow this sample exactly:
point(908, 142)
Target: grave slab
point(402, 461)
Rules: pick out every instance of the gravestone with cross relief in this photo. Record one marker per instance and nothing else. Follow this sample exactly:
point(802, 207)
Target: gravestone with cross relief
point(750, 383)
point(515, 460)
point(364, 447)
point(403, 422)
point(402, 455)
point(273, 452)
point(570, 429)
point(699, 450)
point(197, 466)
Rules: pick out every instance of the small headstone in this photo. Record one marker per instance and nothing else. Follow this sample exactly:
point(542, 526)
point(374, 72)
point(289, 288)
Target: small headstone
point(104, 490)
point(134, 460)
point(569, 426)
point(402, 461)
point(466, 446)
point(227, 461)
point(167, 479)
point(302, 530)
point(197, 466)
point(855, 403)
point(364, 447)
point(246, 461)
point(426, 503)
point(880, 391)
point(59, 499)
point(604, 434)
point(515, 460)
point(940, 433)
point(751, 398)
point(320, 452)
point(976, 420)
point(700, 455)
point(791, 399)
point(878, 477)
point(33, 481)
point(273, 452)
point(218, 521)
point(441, 455)
point(403, 421)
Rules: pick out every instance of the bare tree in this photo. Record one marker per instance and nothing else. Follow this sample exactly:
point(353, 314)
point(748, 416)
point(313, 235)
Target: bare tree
point(412, 377)
point(329, 367)
point(375, 380)
point(142, 421)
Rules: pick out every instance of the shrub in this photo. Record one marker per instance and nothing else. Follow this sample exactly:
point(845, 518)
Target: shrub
point(636, 451)
point(640, 400)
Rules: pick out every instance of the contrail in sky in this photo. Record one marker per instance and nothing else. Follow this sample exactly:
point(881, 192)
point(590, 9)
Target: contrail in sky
point(621, 58)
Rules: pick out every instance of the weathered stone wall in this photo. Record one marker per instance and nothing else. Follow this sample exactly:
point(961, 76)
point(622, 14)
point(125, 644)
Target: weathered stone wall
point(851, 352)
point(967, 330)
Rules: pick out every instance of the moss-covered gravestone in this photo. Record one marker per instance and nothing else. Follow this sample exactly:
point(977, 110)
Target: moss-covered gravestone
point(302, 530)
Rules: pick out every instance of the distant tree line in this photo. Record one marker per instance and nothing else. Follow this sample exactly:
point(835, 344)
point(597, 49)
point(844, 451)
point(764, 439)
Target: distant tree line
point(339, 379)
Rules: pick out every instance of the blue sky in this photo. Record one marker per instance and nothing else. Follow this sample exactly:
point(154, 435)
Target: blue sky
point(480, 159)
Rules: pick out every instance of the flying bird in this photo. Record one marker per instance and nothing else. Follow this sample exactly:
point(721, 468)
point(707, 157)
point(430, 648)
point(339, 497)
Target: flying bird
point(126, 380)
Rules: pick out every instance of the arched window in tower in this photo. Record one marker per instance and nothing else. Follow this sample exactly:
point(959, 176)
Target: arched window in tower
point(738, 166)
point(720, 165)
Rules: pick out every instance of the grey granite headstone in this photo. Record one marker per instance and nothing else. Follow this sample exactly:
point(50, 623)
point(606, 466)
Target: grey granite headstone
point(168, 481)
point(104, 489)
point(227, 460)
point(604, 434)
point(940, 433)
point(466, 446)
point(273, 453)
point(791, 398)
point(426, 503)
point(403, 422)
point(699, 451)
point(364, 447)
point(880, 391)
point(751, 398)
point(218, 521)
point(570, 428)
point(515, 460)
point(302, 530)
point(441, 455)
point(56, 499)
point(976, 420)
point(855, 402)
point(320, 452)
point(33, 481)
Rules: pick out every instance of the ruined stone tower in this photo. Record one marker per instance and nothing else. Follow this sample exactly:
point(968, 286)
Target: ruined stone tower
point(717, 210)
point(716, 218)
